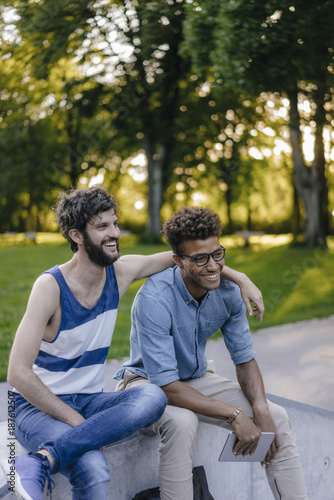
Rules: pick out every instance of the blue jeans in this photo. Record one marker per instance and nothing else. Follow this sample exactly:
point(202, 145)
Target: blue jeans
point(110, 417)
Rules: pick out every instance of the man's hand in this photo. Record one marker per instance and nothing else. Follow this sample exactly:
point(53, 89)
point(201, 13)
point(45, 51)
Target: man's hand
point(247, 433)
point(252, 298)
point(251, 295)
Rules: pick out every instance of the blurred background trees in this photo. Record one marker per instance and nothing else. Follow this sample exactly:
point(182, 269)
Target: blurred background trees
point(166, 103)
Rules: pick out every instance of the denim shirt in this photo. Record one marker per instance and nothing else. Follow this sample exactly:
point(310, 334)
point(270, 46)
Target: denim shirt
point(170, 328)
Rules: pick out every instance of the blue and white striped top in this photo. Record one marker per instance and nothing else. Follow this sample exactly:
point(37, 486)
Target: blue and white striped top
point(74, 361)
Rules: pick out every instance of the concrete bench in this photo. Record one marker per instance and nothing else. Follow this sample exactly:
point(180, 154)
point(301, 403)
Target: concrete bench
point(247, 234)
point(133, 461)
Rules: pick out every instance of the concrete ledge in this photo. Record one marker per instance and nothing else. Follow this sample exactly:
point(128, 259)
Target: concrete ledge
point(133, 461)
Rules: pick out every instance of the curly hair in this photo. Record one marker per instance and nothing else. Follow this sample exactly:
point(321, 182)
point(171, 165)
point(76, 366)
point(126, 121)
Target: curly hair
point(77, 207)
point(194, 223)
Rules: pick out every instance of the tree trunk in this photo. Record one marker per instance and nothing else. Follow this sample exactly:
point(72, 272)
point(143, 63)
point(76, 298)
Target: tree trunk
point(319, 162)
point(30, 225)
point(308, 181)
point(249, 217)
point(295, 223)
point(73, 131)
point(228, 197)
point(154, 170)
point(229, 169)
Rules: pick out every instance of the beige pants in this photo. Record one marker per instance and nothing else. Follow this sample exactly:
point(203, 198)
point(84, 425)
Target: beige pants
point(177, 428)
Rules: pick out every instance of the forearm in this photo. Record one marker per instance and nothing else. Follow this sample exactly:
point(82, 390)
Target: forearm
point(33, 390)
point(251, 383)
point(184, 396)
point(230, 274)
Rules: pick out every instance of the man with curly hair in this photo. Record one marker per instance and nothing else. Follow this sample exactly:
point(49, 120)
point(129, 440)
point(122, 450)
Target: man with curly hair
point(57, 363)
point(173, 315)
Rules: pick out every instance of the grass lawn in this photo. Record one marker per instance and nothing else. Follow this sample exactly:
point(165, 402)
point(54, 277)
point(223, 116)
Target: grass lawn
point(297, 283)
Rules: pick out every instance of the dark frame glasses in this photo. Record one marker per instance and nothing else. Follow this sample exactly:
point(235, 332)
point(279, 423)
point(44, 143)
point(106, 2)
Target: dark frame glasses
point(203, 258)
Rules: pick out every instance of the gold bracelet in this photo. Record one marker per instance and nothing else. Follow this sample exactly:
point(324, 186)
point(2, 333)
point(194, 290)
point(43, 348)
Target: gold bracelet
point(234, 415)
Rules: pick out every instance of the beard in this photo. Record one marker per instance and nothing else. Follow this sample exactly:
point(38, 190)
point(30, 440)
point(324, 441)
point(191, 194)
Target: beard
point(97, 255)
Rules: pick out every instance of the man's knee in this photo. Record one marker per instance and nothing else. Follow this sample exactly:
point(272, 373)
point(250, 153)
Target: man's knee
point(287, 448)
point(151, 400)
point(279, 415)
point(178, 422)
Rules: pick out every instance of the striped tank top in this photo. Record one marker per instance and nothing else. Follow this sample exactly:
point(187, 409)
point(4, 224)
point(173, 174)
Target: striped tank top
point(74, 361)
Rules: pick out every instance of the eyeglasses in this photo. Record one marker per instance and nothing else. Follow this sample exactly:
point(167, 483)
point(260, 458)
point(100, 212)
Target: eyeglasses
point(203, 258)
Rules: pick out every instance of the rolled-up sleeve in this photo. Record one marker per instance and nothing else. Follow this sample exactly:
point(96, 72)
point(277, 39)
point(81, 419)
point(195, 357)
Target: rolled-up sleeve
point(237, 336)
point(153, 323)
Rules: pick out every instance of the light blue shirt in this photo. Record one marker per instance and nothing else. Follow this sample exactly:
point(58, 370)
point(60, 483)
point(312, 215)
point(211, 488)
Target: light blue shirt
point(170, 328)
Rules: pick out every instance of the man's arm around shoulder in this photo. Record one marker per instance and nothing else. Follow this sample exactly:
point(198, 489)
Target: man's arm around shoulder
point(129, 268)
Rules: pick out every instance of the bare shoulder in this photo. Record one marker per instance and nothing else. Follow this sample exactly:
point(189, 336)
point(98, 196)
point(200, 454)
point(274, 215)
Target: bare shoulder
point(46, 283)
point(126, 270)
point(45, 293)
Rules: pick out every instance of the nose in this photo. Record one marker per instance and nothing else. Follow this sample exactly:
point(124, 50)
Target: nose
point(114, 231)
point(214, 265)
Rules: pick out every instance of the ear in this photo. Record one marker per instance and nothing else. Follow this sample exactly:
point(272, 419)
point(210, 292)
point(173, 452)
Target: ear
point(178, 261)
point(76, 236)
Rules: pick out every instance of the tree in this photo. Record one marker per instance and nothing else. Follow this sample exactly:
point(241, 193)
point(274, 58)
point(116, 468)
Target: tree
point(27, 177)
point(131, 48)
point(276, 46)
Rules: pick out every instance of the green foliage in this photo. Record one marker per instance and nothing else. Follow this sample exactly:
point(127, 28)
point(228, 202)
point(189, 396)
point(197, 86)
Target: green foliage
point(51, 30)
point(297, 283)
point(28, 178)
point(279, 47)
point(262, 45)
point(86, 86)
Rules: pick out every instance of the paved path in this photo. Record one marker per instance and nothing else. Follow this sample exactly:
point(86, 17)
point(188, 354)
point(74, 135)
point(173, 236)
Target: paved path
point(296, 360)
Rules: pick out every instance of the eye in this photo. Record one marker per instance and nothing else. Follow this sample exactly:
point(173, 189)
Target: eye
point(219, 255)
point(201, 259)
